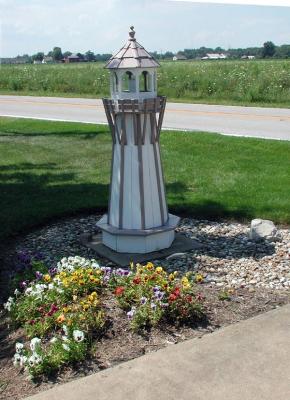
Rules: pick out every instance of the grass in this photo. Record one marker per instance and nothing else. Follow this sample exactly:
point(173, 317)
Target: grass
point(53, 169)
point(257, 82)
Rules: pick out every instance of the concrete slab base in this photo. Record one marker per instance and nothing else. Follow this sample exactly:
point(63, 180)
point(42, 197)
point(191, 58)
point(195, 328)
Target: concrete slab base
point(180, 244)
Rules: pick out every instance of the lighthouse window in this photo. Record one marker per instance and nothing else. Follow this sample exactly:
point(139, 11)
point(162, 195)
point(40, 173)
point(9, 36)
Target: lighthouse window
point(115, 82)
point(145, 82)
point(128, 82)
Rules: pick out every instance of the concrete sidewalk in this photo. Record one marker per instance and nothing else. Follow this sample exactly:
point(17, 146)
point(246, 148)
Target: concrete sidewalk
point(246, 361)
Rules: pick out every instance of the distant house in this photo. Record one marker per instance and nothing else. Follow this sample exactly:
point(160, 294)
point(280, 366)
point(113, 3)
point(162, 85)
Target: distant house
point(215, 56)
point(248, 57)
point(47, 60)
point(179, 57)
point(72, 58)
point(37, 62)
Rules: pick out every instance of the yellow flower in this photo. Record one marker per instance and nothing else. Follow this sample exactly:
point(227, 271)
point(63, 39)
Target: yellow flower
point(149, 266)
point(159, 270)
point(47, 278)
point(185, 283)
point(66, 309)
point(198, 278)
point(171, 277)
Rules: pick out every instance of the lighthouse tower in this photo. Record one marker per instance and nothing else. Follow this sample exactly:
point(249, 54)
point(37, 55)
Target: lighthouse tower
point(138, 220)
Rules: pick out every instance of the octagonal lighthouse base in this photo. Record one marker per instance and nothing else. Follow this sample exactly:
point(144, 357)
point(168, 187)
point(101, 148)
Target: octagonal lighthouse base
point(138, 240)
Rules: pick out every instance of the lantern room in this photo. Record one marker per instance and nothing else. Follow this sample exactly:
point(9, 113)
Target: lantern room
point(133, 72)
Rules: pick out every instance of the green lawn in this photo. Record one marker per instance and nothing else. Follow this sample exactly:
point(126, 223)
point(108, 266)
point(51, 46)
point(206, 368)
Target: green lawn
point(51, 169)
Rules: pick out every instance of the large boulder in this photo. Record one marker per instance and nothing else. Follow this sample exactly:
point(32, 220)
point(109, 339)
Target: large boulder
point(263, 229)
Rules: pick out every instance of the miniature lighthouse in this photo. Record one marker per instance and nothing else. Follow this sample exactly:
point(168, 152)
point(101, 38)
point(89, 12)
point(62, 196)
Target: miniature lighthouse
point(138, 220)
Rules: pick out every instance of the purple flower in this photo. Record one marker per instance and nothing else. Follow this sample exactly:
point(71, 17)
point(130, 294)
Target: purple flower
point(130, 314)
point(23, 284)
point(153, 306)
point(52, 271)
point(164, 305)
point(38, 275)
point(143, 300)
point(24, 257)
point(159, 295)
point(156, 289)
point(121, 272)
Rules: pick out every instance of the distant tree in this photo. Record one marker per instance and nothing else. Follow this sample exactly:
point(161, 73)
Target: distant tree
point(81, 56)
point(283, 51)
point(103, 57)
point(168, 55)
point(89, 55)
point(56, 54)
point(268, 49)
point(38, 56)
point(67, 53)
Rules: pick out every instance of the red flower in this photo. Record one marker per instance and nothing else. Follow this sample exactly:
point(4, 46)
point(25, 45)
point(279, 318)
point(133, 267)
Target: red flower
point(172, 297)
point(199, 297)
point(137, 280)
point(189, 299)
point(119, 290)
point(177, 292)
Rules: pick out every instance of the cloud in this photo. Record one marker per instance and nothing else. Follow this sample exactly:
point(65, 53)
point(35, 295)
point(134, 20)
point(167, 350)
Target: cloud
point(283, 3)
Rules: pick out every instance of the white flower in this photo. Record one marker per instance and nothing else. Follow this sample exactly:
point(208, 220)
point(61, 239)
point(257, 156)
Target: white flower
point(34, 343)
point(19, 346)
point(9, 304)
point(64, 328)
point(65, 338)
point(16, 359)
point(35, 359)
point(65, 346)
point(50, 286)
point(53, 340)
point(23, 361)
point(78, 335)
point(16, 292)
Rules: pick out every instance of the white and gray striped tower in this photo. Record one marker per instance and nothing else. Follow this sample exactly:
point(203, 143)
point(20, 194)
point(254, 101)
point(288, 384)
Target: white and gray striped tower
point(138, 220)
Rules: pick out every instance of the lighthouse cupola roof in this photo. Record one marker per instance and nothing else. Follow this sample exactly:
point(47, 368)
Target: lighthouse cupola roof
point(132, 55)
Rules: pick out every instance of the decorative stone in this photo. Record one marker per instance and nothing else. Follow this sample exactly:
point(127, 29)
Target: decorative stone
point(176, 255)
point(263, 229)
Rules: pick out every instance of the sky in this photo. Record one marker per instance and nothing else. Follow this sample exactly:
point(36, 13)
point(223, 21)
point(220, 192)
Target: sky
point(29, 26)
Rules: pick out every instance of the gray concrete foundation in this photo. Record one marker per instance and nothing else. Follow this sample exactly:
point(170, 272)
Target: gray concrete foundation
point(180, 244)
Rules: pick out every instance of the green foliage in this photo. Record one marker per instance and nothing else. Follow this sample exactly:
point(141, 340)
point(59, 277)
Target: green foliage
point(231, 82)
point(151, 295)
point(268, 49)
point(224, 295)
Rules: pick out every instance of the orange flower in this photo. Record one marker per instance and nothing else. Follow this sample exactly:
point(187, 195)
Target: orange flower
point(119, 290)
point(60, 319)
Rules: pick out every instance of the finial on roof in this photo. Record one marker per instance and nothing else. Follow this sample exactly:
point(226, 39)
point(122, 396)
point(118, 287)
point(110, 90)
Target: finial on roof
point(132, 33)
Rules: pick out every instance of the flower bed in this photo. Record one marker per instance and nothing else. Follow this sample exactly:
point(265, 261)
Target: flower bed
point(62, 309)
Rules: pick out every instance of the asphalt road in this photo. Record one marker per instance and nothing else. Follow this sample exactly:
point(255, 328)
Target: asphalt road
point(270, 123)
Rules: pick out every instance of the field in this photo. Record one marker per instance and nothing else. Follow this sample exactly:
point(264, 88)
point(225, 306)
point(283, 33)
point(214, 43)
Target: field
point(52, 169)
point(257, 82)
